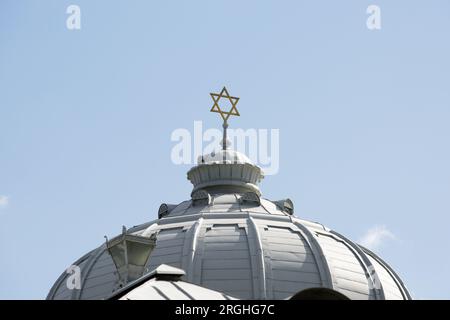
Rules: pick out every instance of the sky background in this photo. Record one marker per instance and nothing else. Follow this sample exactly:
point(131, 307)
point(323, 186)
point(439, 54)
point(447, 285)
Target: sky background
point(86, 118)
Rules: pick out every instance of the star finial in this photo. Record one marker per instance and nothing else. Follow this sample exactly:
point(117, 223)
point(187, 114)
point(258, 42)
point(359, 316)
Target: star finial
point(216, 107)
point(224, 114)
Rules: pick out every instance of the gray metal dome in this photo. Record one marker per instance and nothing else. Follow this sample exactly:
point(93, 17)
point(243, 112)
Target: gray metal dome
point(228, 239)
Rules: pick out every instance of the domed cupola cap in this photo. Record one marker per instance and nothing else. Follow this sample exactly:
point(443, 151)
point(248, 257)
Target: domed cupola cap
point(226, 171)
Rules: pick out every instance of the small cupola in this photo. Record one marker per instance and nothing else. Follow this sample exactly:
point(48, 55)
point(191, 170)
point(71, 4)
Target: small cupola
point(225, 170)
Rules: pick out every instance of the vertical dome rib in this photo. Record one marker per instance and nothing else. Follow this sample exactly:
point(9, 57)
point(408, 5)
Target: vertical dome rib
point(90, 264)
point(63, 277)
point(195, 235)
point(401, 286)
point(324, 268)
point(261, 261)
point(369, 268)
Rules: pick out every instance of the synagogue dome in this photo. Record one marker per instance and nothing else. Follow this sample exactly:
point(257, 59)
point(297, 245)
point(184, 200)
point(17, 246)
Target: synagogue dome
point(228, 238)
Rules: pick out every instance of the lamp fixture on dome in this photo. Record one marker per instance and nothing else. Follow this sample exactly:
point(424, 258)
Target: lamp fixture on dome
point(130, 254)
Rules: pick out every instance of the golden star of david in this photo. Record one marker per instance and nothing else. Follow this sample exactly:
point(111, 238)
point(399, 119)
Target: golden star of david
point(216, 108)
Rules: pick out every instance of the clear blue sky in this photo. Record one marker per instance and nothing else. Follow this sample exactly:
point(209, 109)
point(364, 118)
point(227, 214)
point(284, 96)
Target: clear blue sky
point(86, 118)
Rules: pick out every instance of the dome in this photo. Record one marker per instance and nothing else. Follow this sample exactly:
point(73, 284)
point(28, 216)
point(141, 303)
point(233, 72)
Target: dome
point(225, 155)
point(228, 239)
